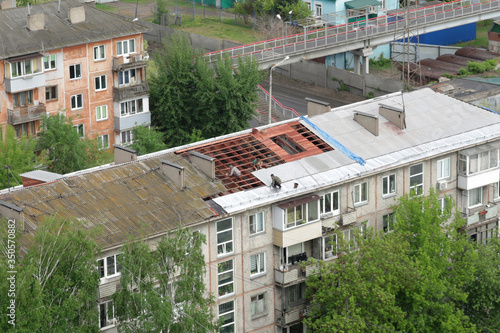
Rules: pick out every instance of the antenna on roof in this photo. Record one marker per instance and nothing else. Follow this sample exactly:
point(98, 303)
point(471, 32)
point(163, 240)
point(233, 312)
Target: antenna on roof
point(59, 7)
point(136, 5)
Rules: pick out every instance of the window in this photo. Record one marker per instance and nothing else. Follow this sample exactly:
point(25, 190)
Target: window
point(75, 72)
point(329, 202)
point(127, 77)
point(80, 129)
point(131, 107)
point(26, 129)
point(125, 47)
point(225, 237)
point(22, 99)
point(470, 164)
point(258, 304)
point(226, 278)
point(389, 185)
point(258, 264)
point(108, 266)
point(126, 136)
point(50, 93)
point(49, 62)
point(100, 82)
point(309, 6)
point(361, 193)
point(301, 214)
point(226, 312)
point(350, 236)
point(106, 314)
point(101, 112)
point(475, 197)
point(496, 191)
point(103, 141)
point(318, 8)
point(443, 203)
point(76, 102)
point(295, 254)
point(99, 53)
point(417, 178)
point(443, 168)
point(24, 67)
point(294, 293)
point(256, 223)
point(388, 222)
point(330, 246)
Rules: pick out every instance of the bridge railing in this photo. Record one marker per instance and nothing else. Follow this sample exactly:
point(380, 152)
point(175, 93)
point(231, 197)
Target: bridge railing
point(346, 33)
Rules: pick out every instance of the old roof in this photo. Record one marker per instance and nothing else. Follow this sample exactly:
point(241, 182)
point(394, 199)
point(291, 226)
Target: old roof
point(16, 39)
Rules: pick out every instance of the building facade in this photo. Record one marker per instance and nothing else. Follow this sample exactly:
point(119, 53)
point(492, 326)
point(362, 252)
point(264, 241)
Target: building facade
point(76, 60)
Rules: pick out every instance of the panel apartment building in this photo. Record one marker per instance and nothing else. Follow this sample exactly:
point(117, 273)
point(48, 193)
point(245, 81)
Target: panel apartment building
point(77, 60)
point(341, 169)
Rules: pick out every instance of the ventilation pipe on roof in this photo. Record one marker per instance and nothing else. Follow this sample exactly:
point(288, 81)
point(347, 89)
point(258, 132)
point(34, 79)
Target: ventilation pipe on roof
point(124, 154)
point(368, 121)
point(173, 171)
point(37, 177)
point(13, 214)
point(393, 114)
point(77, 14)
point(36, 22)
point(205, 163)
point(315, 107)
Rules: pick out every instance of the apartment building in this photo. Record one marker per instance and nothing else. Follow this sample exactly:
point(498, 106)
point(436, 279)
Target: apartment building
point(73, 59)
point(341, 169)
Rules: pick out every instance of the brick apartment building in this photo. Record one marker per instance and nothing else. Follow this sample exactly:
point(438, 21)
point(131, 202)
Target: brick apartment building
point(73, 59)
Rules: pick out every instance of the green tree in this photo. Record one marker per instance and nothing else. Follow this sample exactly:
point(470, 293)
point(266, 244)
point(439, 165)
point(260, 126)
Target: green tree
point(66, 150)
point(19, 154)
point(146, 140)
point(56, 279)
point(188, 97)
point(164, 290)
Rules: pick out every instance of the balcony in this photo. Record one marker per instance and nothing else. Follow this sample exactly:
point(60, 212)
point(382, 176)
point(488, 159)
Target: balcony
point(134, 60)
point(484, 214)
point(479, 179)
point(130, 92)
point(23, 83)
point(299, 234)
point(291, 316)
point(349, 218)
point(128, 122)
point(26, 114)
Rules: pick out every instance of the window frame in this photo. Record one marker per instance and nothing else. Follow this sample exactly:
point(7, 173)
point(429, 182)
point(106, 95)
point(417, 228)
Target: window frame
point(442, 171)
point(100, 141)
point(101, 55)
point(253, 223)
point(98, 112)
point(222, 246)
point(74, 99)
point(260, 262)
point(126, 107)
point(80, 129)
point(52, 62)
point(326, 244)
point(258, 301)
point(318, 5)
point(480, 202)
point(222, 288)
point(105, 266)
point(228, 326)
point(125, 78)
point(388, 222)
point(48, 90)
point(75, 74)
point(306, 214)
point(359, 190)
point(130, 137)
point(23, 98)
point(387, 190)
point(120, 49)
point(105, 306)
point(417, 187)
point(100, 80)
point(323, 203)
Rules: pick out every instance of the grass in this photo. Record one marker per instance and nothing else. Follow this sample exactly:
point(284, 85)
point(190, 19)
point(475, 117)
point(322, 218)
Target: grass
point(211, 27)
point(103, 6)
point(481, 40)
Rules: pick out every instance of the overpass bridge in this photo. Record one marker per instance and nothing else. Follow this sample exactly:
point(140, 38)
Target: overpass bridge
point(359, 37)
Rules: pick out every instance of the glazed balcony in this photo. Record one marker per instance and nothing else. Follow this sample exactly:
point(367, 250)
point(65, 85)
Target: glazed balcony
point(26, 82)
point(26, 114)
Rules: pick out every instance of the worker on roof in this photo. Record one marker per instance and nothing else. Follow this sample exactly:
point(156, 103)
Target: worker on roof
point(235, 172)
point(275, 181)
point(257, 164)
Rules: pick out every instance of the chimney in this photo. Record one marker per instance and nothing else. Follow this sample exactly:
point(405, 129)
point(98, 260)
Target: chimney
point(7, 4)
point(393, 114)
point(368, 121)
point(37, 177)
point(315, 107)
point(77, 14)
point(36, 22)
point(173, 171)
point(13, 214)
point(124, 154)
point(204, 163)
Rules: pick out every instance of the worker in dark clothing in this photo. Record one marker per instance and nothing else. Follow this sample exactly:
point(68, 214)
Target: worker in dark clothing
point(275, 181)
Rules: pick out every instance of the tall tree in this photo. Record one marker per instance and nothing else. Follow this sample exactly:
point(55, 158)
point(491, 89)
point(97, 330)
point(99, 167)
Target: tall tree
point(67, 151)
point(188, 97)
point(164, 290)
point(146, 140)
point(19, 155)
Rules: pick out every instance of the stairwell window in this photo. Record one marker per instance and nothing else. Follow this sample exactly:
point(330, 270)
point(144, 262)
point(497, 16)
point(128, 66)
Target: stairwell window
point(256, 223)
point(258, 304)
point(361, 193)
point(100, 82)
point(77, 102)
point(443, 168)
point(225, 237)
point(417, 178)
point(258, 264)
point(226, 278)
point(50, 93)
point(389, 185)
point(226, 312)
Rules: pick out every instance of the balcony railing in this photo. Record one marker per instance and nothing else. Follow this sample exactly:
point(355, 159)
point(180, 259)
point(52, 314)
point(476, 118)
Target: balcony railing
point(130, 92)
point(486, 213)
point(130, 61)
point(291, 316)
point(26, 114)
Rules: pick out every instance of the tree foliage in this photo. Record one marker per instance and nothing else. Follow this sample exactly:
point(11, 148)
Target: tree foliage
point(66, 150)
point(264, 8)
point(146, 140)
point(56, 279)
point(19, 154)
point(189, 97)
point(164, 290)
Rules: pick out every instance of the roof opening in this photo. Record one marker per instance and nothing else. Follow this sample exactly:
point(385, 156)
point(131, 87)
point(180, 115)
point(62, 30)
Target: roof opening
point(288, 144)
point(315, 140)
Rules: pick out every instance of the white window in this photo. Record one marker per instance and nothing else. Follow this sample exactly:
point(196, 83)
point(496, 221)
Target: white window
point(330, 246)
point(256, 223)
point(103, 141)
point(470, 164)
point(318, 8)
point(75, 72)
point(99, 52)
point(100, 82)
point(127, 77)
point(302, 214)
point(76, 102)
point(475, 197)
point(309, 6)
point(329, 202)
point(258, 304)
point(125, 47)
point(226, 312)
point(443, 202)
point(496, 191)
point(108, 266)
point(388, 222)
point(126, 136)
point(50, 93)
point(258, 264)
point(131, 107)
point(417, 178)
point(389, 185)
point(443, 168)
point(49, 62)
point(80, 129)
point(361, 193)
point(106, 314)
point(25, 67)
point(225, 237)
point(101, 112)
point(226, 278)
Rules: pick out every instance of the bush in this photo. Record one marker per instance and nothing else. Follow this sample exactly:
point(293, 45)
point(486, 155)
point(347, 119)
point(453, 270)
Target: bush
point(380, 61)
point(343, 87)
point(481, 67)
point(370, 95)
point(447, 75)
point(463, 72)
